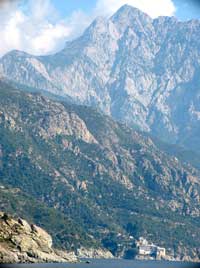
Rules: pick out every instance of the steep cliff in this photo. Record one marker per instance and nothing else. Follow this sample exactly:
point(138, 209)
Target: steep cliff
point(144, 72)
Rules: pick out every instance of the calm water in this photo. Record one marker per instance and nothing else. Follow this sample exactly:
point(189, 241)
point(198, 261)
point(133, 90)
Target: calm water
point(110, 264)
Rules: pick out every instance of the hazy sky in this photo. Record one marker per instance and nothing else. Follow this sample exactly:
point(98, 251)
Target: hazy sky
point(43, 26)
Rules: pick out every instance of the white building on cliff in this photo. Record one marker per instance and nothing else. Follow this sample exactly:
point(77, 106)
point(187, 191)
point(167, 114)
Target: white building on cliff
point(151, 250)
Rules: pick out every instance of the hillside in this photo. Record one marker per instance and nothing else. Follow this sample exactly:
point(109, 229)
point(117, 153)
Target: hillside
point(86, 178)
point(141, 71)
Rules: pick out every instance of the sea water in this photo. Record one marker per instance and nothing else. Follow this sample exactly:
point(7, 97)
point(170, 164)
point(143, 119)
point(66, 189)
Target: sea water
point(109, 264)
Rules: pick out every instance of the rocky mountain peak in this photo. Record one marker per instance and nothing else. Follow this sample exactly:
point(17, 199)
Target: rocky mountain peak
point(128, 11)
point(128, 16)
point(139, 70)
point(16, 53)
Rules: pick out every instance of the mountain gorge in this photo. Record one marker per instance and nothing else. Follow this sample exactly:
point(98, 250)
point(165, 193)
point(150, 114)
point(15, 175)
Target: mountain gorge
point(140, 71)
point(98, 177)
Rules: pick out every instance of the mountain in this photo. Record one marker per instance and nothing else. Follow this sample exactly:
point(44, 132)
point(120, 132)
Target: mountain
point(23, 242)
point(140, 71)
point(92, 182)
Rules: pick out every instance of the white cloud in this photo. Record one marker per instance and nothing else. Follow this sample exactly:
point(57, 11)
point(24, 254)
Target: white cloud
point(37, 28)
point(153, 8)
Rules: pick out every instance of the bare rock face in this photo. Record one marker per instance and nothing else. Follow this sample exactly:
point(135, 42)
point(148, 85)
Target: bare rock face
point(50, 123)
point(21, 242)
point(139, 70)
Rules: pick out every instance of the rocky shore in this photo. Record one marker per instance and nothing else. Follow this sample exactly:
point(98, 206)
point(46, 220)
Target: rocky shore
point(92, 253)
point(21, 242)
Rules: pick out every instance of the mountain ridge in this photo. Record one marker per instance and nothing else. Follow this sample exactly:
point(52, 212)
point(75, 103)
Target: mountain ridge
point(138, 70)
point(70, 168)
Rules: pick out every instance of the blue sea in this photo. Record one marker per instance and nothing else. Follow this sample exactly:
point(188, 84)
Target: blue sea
point(110, 264)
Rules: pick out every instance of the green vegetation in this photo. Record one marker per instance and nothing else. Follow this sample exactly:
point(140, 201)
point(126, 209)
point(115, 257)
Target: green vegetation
point(66, 233)
point(91, 194)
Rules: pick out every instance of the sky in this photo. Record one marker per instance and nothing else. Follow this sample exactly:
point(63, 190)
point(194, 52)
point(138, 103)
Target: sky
point(43, 26)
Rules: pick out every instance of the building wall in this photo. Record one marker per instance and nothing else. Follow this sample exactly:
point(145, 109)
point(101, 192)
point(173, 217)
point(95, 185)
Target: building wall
point(147, 250)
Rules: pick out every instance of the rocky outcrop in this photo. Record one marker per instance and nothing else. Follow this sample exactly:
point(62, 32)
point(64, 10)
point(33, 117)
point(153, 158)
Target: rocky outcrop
point(92, 253)
point(21, 242)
